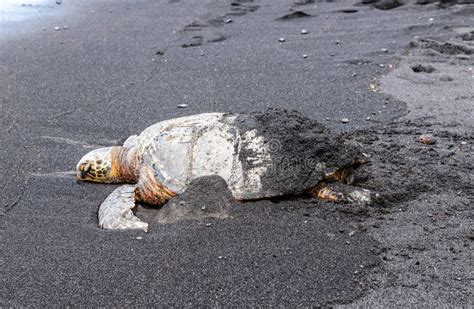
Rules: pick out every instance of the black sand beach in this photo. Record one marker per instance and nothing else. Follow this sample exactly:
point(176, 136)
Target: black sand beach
point(115, 67)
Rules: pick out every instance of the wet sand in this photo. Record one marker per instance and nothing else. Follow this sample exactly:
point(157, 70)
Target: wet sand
point(19, 17)
point(121, 67)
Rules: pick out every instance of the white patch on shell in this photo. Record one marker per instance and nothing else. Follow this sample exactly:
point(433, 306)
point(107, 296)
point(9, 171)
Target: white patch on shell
point(213, 153)
point(183, 149)
point(258, 164)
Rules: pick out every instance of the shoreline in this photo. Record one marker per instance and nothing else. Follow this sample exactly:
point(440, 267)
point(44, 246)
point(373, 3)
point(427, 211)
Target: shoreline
point(17, 19)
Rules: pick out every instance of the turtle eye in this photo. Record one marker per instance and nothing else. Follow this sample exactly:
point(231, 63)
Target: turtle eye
point(85, 167)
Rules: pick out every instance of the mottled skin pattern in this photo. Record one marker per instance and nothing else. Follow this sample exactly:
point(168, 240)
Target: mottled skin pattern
point(97, 170)
point(149, 190)
point(109, 165)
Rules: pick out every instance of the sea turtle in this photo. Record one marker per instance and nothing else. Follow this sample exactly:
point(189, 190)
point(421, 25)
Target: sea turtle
point(260, 155)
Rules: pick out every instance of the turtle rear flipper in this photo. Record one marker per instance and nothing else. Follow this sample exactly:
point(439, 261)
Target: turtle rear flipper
point(338, 192)
point(116, 211)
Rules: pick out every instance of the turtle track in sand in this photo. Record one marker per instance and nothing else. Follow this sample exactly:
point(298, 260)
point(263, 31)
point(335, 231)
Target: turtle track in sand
point(401, 168)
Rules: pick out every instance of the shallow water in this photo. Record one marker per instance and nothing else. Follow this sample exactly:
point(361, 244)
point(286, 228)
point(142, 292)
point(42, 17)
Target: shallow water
point(14, 14)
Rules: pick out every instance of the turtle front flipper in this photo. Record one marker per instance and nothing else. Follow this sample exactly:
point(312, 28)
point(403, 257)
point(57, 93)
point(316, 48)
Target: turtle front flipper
point(116, 211)
point(336, 192)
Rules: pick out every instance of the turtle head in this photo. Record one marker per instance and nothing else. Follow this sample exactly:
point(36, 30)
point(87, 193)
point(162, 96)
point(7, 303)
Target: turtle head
point(96, 166)
point(109, 165)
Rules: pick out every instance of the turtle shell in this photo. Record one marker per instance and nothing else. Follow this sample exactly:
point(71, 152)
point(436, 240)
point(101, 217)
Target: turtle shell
point(259, 155)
